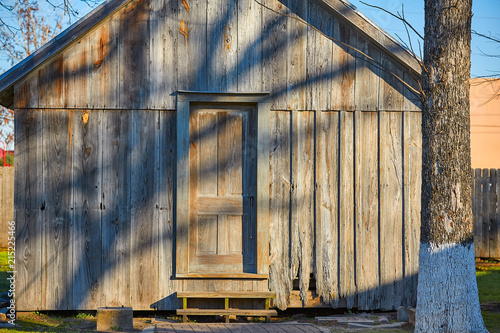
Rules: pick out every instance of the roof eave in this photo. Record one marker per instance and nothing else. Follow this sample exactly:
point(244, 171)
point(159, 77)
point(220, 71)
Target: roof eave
point(386, 42)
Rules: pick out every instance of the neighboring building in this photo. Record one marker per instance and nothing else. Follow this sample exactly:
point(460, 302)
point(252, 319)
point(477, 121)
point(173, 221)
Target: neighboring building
point(485, 123)
point(166, 146)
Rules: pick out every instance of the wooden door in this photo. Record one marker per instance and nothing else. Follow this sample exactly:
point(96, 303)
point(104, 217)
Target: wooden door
point(222, 188)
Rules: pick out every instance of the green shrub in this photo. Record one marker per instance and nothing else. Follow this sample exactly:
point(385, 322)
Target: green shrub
point(9, 160)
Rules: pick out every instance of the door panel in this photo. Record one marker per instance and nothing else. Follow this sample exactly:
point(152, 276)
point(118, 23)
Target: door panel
point(223, 172)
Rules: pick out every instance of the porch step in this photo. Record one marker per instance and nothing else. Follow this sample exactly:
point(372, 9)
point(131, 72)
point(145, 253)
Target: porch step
point(226, 294)
point(226, 312)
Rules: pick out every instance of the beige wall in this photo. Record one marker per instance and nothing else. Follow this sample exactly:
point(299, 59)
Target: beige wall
point(485, 123)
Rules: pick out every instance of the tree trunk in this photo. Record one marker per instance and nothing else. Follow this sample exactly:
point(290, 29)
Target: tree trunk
point(447, 289)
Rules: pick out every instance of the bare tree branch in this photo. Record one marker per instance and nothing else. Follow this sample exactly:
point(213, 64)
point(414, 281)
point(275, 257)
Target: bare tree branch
point(398, 16)
point(474, 32)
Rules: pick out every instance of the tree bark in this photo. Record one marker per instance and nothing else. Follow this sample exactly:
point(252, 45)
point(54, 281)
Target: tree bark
point(447, 299)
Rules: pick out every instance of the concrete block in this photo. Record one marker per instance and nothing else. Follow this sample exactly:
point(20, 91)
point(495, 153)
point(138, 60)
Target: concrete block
point(347, 319)
point(411, 315)
point(402, 314)
point(392, 325)
point(110, 318)
point(359, 325)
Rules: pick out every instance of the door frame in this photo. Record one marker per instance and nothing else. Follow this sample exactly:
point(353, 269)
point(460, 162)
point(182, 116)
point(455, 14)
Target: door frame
point(184, 100)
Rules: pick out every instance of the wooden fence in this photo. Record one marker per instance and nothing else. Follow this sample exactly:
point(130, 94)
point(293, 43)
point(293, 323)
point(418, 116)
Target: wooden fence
point(6, 202)
point(486, 209)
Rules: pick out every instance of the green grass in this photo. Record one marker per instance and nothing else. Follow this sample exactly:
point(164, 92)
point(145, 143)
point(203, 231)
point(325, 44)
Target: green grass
point(491, 321)
point(4, 270)
point(488, 283)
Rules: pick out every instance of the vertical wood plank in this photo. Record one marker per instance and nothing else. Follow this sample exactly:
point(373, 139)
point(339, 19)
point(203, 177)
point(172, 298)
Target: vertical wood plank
point(478, 242)
point(263, 166)
point(492, 218)
point(305, 188)
point(182, 199)
point(249, 46)
point(28, 201)
point(144, 203)
point(412, 100)
point(296, 56)
point(202, 176)
point(495, 223)
point(343, 68)
point(166, 250)
point(183, 31)
point(26, 93)
point(57, 250)
point(116, 218)
point(391, 90)
point(164, 35)
point(197, 46)
point(134, 52)
point(113, 67)
point(367, 77)
point(222, 45)
point(280, 278)
point(318, 222)
point(347, 286)
point(411, 192)
point(391, 209)
point(86, 228)
point(416, 189)
point(295, 199)
point(221, 158)
point(319, 59)
point(328, 202)
point(98, 67)
point(274, 69)
point(366, 209)
point(75, 67)
point(51, 84)
point(485, 213)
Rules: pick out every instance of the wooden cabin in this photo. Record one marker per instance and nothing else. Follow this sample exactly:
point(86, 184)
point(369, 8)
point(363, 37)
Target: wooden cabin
point(166, 146)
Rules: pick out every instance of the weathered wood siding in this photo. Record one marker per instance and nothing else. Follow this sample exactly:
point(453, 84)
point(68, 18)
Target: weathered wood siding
point(139, 57)
point(342, 214)
point(94, 208)
point(96, 159)
point(95, 212)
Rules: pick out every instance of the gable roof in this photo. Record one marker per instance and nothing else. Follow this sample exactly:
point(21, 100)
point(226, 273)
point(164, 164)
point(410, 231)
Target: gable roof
point(341, 8)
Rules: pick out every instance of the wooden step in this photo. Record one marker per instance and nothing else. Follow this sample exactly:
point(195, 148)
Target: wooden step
point(226, 294)
point(227, 312)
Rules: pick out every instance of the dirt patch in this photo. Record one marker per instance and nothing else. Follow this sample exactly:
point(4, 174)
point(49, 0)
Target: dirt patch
point(487, 264)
